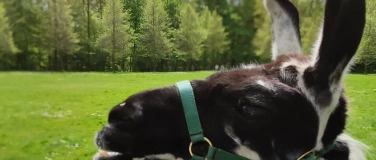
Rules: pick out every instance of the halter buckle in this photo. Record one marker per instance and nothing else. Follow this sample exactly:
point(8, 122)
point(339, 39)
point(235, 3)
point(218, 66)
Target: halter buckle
point(306, 154)
point(205, 139)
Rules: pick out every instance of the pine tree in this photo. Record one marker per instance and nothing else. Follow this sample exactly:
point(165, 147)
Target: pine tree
point(155, 30)
point(136, 9)
point(24, 19)
point(215, 43)
point(86, 14)
point(6, 40)
point(116, 32)
point(173, 8)
point(61, 39)
point(191, 34)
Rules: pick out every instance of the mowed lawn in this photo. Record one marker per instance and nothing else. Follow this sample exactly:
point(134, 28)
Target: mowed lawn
point(47, 116)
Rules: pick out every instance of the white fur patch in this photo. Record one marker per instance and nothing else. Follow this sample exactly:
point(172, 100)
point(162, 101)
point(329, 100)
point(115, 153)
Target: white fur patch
point(316, 46)
point(241, 149)
point(357, 149)
point(166, 156)
point(230, 132)
point(286, 40)
point(264, 84)
point(122, 104)
point(138, 108)
point(250, 66)
point(247, 152)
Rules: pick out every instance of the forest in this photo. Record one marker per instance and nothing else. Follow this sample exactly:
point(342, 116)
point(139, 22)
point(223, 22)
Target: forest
point(152, 35)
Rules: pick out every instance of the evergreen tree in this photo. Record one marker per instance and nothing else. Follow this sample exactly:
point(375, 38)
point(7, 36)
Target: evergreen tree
point(6, 40)
point(190, 36)
point(239, 23)
point(86, 16)
point(116, 33)
point(24, 19)
point(215, 43)
point(154, 36)
point(62, 39)
point(173, 8)
point(136, 9)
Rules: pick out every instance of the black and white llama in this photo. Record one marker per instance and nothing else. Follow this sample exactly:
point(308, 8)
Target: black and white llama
point(292, 108)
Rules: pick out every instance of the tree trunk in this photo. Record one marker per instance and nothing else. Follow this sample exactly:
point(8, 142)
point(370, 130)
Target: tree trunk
point(55, 60)
point(88, 34)
point(113, 61)
point(130, 62)
point(365, 65)
point(113, 38)
point(61, 59)
point(65, 63)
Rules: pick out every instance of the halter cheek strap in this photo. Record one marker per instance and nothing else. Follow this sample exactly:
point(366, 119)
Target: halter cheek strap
point(194, 126)
point(197, 134)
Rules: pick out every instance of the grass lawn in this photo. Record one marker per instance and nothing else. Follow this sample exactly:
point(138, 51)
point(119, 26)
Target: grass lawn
point(55, 115)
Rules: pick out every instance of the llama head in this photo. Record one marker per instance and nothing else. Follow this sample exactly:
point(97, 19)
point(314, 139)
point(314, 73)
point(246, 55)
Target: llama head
point(278, 110)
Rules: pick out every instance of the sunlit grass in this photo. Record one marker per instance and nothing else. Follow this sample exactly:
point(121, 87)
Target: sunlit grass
point(55, 115)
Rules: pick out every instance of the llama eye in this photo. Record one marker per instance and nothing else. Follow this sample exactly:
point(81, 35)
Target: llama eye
point(253, 112)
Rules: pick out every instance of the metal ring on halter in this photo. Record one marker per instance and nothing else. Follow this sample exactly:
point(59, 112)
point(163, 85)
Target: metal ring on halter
point(306, 154)
point(205, 139)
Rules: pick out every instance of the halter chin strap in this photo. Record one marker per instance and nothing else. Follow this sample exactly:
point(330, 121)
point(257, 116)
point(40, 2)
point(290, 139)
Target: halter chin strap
point(197, 134)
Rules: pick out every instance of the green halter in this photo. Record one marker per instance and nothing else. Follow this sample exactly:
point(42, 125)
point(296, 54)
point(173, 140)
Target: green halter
point(196, 133)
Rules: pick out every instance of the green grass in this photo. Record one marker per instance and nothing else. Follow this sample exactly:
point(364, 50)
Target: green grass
point(55, 115)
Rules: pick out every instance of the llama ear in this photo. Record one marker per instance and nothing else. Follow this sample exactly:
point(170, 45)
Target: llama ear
point(285, 27)
point(341, 34)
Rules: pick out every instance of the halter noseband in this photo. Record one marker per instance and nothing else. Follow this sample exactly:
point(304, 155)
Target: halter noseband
point(197, 135)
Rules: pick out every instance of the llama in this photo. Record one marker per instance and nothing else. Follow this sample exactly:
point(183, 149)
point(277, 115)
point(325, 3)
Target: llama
point(291, 108)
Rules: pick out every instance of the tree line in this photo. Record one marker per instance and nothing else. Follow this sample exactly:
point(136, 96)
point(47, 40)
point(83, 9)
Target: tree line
point(150, 35)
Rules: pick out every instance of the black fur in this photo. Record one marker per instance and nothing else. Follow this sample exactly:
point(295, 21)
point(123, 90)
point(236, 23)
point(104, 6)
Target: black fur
point(343, 29)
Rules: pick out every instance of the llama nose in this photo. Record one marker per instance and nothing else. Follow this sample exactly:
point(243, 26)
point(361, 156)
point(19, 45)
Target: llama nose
point(125, 112)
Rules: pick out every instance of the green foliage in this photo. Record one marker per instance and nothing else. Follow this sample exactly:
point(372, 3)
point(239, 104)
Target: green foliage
point(55, 116)
point(154, 35)
point(173, 8)
point(216, 40)
point(61, 38)
point(24, 19)
point(190, 35)
point(263, 39)
point(366, 55)
point(6, 40)
point(7, 46)
point(311, 13)
point(155, 30)
point(116, 33)
point(136, 10)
